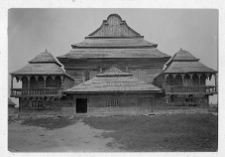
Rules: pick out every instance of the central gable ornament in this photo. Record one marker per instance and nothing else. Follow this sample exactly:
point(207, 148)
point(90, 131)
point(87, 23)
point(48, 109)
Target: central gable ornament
point(114, 26)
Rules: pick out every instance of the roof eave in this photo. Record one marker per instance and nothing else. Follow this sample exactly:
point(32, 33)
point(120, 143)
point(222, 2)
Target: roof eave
point(112, 92)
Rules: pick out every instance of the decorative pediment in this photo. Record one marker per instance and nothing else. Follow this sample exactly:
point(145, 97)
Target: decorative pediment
point(114, 26)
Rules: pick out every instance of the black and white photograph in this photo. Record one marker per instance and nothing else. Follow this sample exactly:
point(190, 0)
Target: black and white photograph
point(112, 80)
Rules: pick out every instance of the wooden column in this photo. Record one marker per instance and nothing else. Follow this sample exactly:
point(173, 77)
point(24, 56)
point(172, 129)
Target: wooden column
point(12, 81)
point(215, 76)
point(28, 85)
point(199, 79)
point(165, 77)
point(62, 81)
point(45, 78)
point(74, 104)
point(191, 79)
point(182, 76)
point(207, 77)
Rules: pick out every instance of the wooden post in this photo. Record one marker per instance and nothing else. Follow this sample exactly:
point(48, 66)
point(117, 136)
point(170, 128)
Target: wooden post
point(28, 84)
point(12, 81)
point(182, 76)
point(74, 105)
point(191, 79)
point(19, 104)
point(215, 76)
point(62, 81)
point(45, 78)
point(199, 79)
point(165, 77)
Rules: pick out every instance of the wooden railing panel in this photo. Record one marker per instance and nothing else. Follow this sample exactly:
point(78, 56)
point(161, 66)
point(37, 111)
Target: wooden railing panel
point(35, 92)
point(191, 89)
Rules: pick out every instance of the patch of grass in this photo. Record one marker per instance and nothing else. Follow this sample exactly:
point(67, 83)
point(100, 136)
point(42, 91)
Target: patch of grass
point(50, 123)
point(178, 132)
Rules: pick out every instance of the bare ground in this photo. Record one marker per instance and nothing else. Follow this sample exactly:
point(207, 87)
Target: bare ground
point(77, 137)
point(41, 134)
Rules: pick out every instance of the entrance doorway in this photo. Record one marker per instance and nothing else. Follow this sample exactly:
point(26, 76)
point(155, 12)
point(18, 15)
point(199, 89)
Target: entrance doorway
point(81, 106)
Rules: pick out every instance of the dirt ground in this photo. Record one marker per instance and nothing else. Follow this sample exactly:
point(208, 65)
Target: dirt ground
point(78, 137)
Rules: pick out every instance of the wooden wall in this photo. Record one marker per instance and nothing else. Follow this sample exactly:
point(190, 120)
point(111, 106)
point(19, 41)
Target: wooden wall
point(128, 104)
point(144, 69)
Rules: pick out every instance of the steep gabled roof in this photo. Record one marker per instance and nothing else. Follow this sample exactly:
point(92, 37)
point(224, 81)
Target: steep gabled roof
point(44, 57)
point(114, 39)
point(114, 26)
point(111, 81)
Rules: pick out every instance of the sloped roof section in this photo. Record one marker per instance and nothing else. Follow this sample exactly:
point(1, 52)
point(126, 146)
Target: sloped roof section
point(183, 55)
point(41, 68)
point(184, 62)
point(114, 53)
point(110, 81)
point(44, 57)
point(187, 67)
point(114, 43)
point(113, 71)
point(114, 26)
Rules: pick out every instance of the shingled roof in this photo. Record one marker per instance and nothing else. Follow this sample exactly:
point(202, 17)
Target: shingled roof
point(42, 66)
point(114, 53)
point(114, 39)
point(45, 57)
point(184, 62)
point(111, 81)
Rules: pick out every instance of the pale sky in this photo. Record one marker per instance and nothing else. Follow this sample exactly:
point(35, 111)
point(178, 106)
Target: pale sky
point(31, 31)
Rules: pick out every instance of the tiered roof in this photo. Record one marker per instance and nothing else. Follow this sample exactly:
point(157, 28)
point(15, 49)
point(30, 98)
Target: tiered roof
point(42, 64)
point(184, 62)
point(111, 81)
point(114, 39)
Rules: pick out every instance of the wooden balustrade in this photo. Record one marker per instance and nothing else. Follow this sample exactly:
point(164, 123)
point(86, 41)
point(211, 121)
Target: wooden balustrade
point(190, 89)
point(16, 92)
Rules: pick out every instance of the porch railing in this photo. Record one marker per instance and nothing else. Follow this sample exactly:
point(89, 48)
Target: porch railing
point(34, 92)
point(191, 89)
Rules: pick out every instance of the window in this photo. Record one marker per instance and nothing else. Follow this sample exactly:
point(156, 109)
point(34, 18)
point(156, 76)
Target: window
point(37, 104)
point(112, 103)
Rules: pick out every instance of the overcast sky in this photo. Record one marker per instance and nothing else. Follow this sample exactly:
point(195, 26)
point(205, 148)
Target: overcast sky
point(31, 31)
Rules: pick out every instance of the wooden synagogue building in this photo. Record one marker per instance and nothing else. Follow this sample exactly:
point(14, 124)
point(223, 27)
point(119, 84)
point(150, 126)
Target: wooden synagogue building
point(114, 70)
